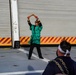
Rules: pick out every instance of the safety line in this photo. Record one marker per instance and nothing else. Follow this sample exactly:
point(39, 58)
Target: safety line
point(22, 72)
point(26, 72)
point(45, 60)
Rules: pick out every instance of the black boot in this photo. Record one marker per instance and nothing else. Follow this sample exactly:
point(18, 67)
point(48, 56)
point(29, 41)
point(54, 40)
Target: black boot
point(29, 58)
point(41, 57)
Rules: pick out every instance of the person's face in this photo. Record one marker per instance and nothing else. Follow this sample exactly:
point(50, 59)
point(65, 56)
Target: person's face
point(36, 23)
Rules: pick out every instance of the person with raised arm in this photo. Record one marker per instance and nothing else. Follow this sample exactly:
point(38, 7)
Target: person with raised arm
point(35, 37)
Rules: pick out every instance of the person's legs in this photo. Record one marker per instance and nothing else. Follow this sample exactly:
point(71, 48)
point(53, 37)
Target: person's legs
point(30, 51)
point(39, 51)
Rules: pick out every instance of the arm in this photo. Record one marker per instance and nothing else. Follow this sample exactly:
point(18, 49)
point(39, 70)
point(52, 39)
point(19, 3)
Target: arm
point(28, 20)
point(40, 24)
point(29, 23)
point(35, 16)
point(31, 16)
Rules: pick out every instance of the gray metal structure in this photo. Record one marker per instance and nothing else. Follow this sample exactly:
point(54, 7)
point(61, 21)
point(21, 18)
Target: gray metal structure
point(57, 16)
point(5, 28)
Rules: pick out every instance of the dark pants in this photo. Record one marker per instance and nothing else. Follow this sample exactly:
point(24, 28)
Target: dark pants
point(38, 50)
